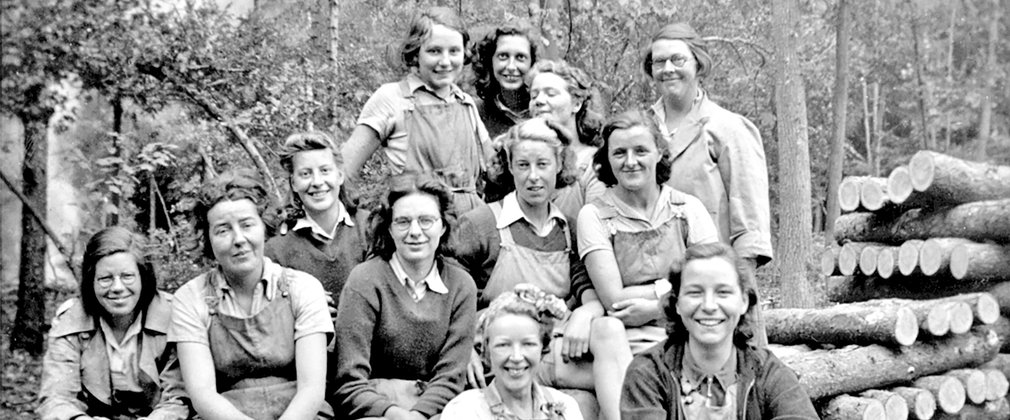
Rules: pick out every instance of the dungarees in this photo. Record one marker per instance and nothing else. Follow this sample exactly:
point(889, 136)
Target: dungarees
point(442, 142)
point(646, 256)
point(548, 270)
point(254, 358)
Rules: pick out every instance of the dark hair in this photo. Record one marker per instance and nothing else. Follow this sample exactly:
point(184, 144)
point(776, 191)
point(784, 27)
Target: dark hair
point(420, 31)
point(675, 328)
point(110, 241)
point(409, 183)
point(580, 86)
point(305, 142)
point(486, 85)
point(499, 173)
point(624, 121)
point(232, 185)
point(680, 31)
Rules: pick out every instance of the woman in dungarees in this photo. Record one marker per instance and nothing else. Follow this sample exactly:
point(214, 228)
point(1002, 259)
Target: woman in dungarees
point(513, 334)
point(251, 334)
point(425, 123)
point(525, 238)
point(501, 60)
point(637, 231)
point(707, 370)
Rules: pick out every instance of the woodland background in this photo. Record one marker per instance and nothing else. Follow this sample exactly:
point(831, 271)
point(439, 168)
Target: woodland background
point(116, 111)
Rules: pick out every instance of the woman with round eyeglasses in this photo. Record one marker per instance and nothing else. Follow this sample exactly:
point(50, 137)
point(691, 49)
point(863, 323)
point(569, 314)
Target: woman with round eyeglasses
point(718, 155)
point(406, 317)
point(108, 354)
point(502, 59)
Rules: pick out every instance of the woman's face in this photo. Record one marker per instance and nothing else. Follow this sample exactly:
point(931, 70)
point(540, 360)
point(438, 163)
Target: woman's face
point(633, 157)
point(118, 285)
point(710, 301)
point(440, 59)
point(415, 242)
point(514, 349)
point(673, 80)
point(316, 178)
point(511, 61)
point(534, 167)
point(236, 237)
point(550, 99)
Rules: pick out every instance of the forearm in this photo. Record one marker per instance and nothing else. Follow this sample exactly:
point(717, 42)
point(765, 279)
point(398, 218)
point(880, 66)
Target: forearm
point(310, 353)
point(364, 141)
point(174, 402)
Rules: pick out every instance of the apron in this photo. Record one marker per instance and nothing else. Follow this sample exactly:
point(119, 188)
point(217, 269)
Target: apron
point(441, 142)
point(643, 258)
point(548, 270)
point(254, 358)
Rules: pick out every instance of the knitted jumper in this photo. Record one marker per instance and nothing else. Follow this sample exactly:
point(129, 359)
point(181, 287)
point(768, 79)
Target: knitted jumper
point(329, 262)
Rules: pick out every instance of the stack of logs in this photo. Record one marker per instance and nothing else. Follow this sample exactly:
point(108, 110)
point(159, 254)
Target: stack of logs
point(921, 278)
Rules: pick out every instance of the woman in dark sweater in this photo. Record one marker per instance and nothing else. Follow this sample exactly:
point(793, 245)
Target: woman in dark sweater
point(406, 319)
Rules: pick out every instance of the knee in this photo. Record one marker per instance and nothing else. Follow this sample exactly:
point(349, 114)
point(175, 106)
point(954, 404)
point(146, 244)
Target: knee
point(608, 331)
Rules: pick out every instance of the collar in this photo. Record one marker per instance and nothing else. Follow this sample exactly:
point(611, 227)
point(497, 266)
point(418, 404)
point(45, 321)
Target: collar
point(71, 319)
point(317, 231)
point(541, 402)
point(664, 213)
point(694, 115)
point(267, 284)
point(433, 280)
point(511, 213)
point(414, 83)
point(132, 330)
point(515, 116)
point(726, 375)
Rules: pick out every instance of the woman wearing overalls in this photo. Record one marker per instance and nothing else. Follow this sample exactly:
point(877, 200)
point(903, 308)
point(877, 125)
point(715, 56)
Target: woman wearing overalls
point(525, 238)
point(638, 229)
point(425, 123)
point(251, 335)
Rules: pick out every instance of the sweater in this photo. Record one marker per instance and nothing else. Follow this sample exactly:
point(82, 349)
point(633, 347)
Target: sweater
point(383, 333)
point(329, 262)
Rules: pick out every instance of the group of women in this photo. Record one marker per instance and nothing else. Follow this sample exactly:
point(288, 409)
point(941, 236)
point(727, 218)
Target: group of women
point(524, 244)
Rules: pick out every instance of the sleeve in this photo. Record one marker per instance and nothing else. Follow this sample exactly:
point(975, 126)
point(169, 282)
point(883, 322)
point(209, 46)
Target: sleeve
point(311, 313)
point(448, 378)
point(174, 402)
point(594, 188)
point(471, 248)
point(380, 111)
point(700, 227)
point(783, 396)
point(577, 270)
point(190, 317)
point(741, 161)
point(643, 394)
point(61, 379)
point(356, 317)
point(593, 234)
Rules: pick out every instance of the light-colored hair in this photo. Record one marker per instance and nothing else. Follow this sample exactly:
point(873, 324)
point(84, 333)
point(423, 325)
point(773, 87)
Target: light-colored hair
point(525, 300)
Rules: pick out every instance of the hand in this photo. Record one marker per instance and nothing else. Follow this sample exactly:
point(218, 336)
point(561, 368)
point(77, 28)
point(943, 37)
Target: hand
point(576, 341)
point(332, 305)
point(573, 138)
point(475, 371)
point(636, 311)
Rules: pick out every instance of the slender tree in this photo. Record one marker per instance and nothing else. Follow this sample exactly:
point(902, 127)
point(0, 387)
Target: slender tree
point(989, 88)
point(840, 104)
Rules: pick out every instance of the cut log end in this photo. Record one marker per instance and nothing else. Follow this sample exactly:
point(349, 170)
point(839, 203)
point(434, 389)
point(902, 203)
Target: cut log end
point(868, 260)
point(844, 407)
point(937, 320)
point(908, 256)
point(996, 384)
point(921, 170)
point(961, 317)
point(848, 193)
point(899, 185)
point(986, 309)
point(886, 262)
point(906, 327)
point(895, 407)
point(848, 259)
point(974, 382)
point(949, 392)
point(829, 262)
point(873, 194)
point(921, 404)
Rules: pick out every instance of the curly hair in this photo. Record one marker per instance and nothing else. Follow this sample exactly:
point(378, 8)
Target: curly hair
point(680, 31)
point(486, 85)
point(675, 328)
point(420, 31)
point(109, 241)
point(402, 185)
point(232, 185)
point(580, 86)
point(624, 121)
point(525, 300)
point(305, 142)
point(499, 174)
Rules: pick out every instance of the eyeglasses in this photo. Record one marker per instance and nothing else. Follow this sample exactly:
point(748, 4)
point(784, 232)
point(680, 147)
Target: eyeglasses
point(126, 278)
point(425, 222)
point(676, 60)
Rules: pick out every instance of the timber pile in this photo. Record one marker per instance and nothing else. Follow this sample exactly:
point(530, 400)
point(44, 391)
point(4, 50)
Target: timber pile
point(921, 278)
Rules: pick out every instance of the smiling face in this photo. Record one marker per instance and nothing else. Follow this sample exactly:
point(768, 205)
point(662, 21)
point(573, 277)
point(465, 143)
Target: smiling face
point(710, 301)
point(551, 100)
point(671, 80)
point(316, 179)
point(416, 245)
point(633, 157)
point(514, 348)
point(511, 61)
point(236, 237)
point(120, 297)
point(534, 166)
point(440, 59)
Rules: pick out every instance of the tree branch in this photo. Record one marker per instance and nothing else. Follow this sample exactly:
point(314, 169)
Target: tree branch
point(67, 255)
point(760, 50)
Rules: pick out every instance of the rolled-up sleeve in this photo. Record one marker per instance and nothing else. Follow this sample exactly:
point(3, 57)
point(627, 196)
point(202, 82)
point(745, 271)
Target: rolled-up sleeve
point(744, 172)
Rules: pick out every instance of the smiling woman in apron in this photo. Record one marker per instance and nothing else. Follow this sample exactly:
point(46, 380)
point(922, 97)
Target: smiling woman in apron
point(525, 238)
point(251, 334)
point(425, 123)
point(707, 370)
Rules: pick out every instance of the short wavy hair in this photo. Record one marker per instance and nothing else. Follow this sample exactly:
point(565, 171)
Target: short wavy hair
point(110, 241)
point(624, 121)
point(305, 142)
point(486, 85)
point(580, 86)
point(680, 31)
point(675, 328)
point(525, 300)
point(420, 31)
point(402, 185)
point(232, 185)
point(500, 178)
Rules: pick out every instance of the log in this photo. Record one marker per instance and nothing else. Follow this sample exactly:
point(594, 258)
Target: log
point(899, 185)
point(934, 255)
point(933, 316)
point(955, 314)
point(984, 304)
point(868, 260)
point(936, 320)
point(1000, 362)
point(849, 257)
point(781, 351)
point(980, 262)
point(921, 403)
point(973, 381)
point(856, 368)
point(847, 407)
point(996, 384)
point(829, 261)
point(943, 180)
point(948, 391)
point(848, 192)
point(908, 257)
point(873, 194)
point(842, 324)
point(1001, 292)
point(992, 410)
point(961, 317)
point(887, 261)
point(979, 221)
point(895, 407)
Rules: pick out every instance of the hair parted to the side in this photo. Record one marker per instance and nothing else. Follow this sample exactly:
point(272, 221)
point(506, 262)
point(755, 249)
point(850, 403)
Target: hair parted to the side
point(675, 328)
point(580, 86)
point(627, 120)
point(486, 85)
point(525, 300)
point(499, 174)
point(402, 185)
point(420, 31)
point(109, 241)
point(305, 142)
point(232, 185)
point(680, 31)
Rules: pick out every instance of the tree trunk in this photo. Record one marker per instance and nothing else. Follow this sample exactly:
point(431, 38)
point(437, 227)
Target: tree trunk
point(941, 180)
point(989, 89)
point(895, 407)
point(847, 407)
point(980, 263)
point(948, 391)
point(921, 404)
point(979, 221)
point(878, 133)
point(334, 27)
point(117, 129)
point(839, 108)
point(843, 324)
point(793, 157)
point(29, 323)
point(925, 98)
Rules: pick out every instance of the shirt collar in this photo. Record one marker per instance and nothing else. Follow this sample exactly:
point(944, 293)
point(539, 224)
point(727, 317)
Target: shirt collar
point(540, 402)
point(659, 110)
point(666, 195)
point(317, 231)
point(433, 280)
point(414, 83)
point(511, 213)
point(110, 337)
point(267, 284)
point(726, 376)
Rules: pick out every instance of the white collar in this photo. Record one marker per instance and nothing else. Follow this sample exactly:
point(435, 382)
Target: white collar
point(433, 280)
point(511, 213)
